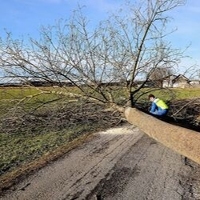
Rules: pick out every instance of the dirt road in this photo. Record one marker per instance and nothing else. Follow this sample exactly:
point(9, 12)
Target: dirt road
point(121, 163)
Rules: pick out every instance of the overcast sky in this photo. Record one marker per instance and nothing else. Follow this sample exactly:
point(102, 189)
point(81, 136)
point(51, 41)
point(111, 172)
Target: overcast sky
point(25, 17)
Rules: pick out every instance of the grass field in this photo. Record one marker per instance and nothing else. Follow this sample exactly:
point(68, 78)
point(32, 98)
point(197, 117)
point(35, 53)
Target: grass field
point(21, 147)
point(181, 93)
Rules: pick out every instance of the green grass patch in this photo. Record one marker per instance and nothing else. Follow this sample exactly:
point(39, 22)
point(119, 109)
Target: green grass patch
point(17, 149)
point(170, 94)
point(187, 93)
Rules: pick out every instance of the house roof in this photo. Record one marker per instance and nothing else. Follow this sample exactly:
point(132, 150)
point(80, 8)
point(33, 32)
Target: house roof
point(181, 77)
point(176, 78)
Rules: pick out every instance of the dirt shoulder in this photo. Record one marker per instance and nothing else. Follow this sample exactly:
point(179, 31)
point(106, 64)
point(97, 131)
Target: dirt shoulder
point(118, 163)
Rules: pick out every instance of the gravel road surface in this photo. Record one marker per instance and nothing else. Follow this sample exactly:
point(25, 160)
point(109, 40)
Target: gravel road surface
point(118, 164)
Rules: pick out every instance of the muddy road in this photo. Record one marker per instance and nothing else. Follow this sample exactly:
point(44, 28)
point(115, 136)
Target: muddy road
point(120, 163)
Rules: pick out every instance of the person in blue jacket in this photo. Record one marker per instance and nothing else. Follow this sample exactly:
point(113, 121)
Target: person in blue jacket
point(158, 106)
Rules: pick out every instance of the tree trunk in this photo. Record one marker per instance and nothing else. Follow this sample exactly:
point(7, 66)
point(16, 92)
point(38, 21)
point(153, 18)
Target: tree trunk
point(184, 141)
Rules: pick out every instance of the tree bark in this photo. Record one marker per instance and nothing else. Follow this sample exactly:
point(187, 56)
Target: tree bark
point(184, 141)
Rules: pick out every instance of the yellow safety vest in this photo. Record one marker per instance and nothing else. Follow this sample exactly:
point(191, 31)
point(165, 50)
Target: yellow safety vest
point(161, 104)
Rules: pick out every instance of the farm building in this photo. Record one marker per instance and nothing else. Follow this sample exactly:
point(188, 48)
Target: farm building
point(176, 81)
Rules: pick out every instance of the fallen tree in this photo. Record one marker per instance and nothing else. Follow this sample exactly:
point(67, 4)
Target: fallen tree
point(184, 141)
point(130, 44)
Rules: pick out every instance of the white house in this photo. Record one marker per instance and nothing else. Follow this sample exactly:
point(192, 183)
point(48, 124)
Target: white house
point(176, 81)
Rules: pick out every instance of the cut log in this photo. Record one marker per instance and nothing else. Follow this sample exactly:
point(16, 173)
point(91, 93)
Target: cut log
point(184, 141)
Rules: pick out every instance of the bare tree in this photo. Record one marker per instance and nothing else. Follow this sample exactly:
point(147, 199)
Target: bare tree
point(157, 75)
point(127, 45)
